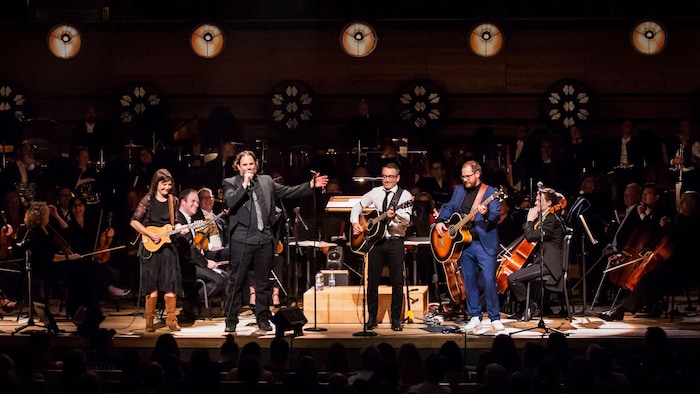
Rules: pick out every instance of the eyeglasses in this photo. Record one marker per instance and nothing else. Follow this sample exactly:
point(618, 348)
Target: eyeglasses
point(206, 198)
point(389, 176)
point(467, 176)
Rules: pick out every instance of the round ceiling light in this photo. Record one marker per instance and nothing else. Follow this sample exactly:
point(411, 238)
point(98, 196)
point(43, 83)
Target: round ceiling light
point(648, 37)
point(207, 40)
point(358, 39)
point(486, 39)
point(64, 41)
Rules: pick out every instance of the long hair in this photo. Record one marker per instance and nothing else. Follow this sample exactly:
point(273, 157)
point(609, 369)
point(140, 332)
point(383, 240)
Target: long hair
point(159, 176)
point(34, 217)
point(239, 156)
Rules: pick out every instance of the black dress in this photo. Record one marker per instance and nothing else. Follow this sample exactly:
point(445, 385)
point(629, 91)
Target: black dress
point(160, 270)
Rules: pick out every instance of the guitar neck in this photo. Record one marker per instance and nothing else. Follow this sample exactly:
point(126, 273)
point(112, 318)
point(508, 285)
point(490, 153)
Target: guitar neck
point(472, 214)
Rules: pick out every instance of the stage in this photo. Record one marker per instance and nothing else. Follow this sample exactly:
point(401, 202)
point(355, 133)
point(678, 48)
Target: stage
point(128, 322)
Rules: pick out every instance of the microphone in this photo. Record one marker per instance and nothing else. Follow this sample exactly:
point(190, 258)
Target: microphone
point(314, 173)
point(540, 185)
point(296, 212)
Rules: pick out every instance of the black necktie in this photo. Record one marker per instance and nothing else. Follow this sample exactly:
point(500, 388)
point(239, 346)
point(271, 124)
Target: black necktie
point(385, 205)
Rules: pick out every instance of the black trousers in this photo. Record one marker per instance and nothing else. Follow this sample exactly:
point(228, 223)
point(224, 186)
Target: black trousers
point(518, 280)
point(245, 257)
point(389, 252)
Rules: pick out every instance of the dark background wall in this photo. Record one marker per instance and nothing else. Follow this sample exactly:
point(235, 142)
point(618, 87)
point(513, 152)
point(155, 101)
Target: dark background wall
point(148, 43)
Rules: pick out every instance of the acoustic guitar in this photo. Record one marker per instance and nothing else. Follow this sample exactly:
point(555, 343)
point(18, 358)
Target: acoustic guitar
point(450, 244)
point(373, 227)
point(167, 230)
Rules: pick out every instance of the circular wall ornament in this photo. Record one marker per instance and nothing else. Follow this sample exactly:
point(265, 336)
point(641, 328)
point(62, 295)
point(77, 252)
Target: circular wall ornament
point(11, 103)
point(291, 106)
point(567, 102)
point(420, 105)
point(137, 101)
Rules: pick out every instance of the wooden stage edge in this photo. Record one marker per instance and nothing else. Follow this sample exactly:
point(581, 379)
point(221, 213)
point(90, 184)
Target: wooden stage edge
point(683, 331)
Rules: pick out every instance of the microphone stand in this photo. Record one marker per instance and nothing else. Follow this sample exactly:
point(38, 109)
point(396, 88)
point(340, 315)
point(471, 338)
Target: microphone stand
point(51, 326)
point(315, 327)
point(291, 274)
point(364, 332)
point(540, 324)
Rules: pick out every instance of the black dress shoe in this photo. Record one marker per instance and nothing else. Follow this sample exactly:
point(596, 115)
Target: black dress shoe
point(371, 324)
point(231, 326)
point(533, 311)
point(264, 325)
point(613, 314)
point(396, 325)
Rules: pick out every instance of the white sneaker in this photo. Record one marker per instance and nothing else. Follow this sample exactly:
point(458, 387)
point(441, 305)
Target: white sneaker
point(497, 325)
point(473, 324)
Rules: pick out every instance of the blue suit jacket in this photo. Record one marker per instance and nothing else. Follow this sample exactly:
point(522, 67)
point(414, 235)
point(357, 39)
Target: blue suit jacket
point(488, 234)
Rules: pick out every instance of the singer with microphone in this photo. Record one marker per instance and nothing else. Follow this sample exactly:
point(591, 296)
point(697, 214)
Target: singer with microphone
point(251, 198)
point(544, 226)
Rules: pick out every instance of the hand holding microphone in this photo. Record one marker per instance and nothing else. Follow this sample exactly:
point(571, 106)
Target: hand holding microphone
point(318, 180)
point(248, 180)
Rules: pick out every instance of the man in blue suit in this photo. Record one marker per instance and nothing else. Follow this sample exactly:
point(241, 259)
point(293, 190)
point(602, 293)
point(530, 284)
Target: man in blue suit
point(479, 256)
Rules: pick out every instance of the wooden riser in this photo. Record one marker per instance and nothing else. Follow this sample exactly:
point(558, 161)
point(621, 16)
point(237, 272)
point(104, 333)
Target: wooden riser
point(343, 304)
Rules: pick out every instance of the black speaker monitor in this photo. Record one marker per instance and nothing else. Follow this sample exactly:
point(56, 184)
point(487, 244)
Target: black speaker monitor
point(289, 319)
point(334, 258)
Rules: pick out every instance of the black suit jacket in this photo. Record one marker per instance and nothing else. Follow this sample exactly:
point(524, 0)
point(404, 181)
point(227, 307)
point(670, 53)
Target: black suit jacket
point(235, 197)
point(188, 252)
point(551, 247)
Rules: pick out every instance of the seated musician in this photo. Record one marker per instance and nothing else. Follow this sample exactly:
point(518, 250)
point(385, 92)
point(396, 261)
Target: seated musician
point(666, 266)
point(43, 241)
point(199, 266)
point(82, 233)
point(546, 228)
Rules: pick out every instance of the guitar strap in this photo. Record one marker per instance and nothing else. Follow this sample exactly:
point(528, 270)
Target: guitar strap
point(479, 196)
point(171, 209)
point(395, 200)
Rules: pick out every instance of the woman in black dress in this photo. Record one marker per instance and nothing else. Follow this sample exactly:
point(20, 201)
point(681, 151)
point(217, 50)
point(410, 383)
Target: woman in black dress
point(160, 267)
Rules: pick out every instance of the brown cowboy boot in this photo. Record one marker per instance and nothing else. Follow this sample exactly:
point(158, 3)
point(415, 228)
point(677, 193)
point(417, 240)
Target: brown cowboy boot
point(150, 312)
point(170, 318)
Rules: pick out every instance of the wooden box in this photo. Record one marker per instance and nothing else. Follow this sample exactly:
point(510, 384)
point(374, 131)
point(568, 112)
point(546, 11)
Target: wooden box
point(343, 304)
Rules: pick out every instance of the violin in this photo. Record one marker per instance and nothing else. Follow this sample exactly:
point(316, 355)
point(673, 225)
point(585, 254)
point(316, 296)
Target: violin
point(104, 242)
point(514, 257)
point(201, 237)
point(5, 239)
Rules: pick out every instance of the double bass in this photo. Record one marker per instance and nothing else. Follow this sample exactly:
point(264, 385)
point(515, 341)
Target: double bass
point(516, 254)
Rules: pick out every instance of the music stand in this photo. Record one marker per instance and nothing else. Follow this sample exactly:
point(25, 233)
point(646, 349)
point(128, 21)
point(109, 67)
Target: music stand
point(586, 232)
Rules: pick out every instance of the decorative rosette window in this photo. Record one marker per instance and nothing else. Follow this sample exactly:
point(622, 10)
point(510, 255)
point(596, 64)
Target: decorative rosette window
point(11, 103)
point(420, 106)
point(291, 106)
point(567, 102)
point(137, 100)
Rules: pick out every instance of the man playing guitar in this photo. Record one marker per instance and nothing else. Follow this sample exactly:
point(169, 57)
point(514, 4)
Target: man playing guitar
point(479, 256)
point(388, 247)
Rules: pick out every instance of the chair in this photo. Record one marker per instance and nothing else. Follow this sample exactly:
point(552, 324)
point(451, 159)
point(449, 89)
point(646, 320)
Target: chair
point(206, 298)
point(566, 261)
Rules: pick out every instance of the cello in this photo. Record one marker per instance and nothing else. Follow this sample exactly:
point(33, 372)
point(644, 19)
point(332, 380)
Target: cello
point(514, 257)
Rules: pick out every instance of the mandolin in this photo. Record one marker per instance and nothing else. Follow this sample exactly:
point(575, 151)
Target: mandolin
point(450, 244)
point(373, 227)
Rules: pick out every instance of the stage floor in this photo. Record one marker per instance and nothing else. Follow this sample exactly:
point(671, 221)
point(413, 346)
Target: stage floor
point(129, 323)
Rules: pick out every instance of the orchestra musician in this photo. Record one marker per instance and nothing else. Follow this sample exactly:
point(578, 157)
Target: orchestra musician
point(676, 271)
point(251, 199)
point(193, 259)
point(160, 269)
point(545, 227)
point(388, 248)
point(478, 257)
point(643, 239)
